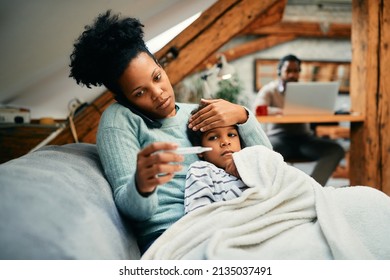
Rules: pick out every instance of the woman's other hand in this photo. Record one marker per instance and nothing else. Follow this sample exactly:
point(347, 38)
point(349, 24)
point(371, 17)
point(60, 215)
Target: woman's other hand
point(217, 113)
point(156, 165)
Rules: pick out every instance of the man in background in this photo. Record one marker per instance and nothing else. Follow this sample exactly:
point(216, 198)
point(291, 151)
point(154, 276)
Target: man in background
point(296, 141)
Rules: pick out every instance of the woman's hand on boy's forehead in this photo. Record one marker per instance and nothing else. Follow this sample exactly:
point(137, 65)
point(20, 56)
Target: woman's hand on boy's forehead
point(217, 113)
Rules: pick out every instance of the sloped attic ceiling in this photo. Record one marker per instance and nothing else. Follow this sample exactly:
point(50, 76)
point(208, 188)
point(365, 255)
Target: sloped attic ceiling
point(37, 38)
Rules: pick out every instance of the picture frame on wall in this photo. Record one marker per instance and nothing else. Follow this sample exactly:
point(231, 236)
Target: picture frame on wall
point(321, 71)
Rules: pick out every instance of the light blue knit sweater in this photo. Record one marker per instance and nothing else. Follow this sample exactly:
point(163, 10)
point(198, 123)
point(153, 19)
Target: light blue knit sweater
point(122, 134)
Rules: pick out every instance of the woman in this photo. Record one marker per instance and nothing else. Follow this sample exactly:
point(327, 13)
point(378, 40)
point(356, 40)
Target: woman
point(137, 134)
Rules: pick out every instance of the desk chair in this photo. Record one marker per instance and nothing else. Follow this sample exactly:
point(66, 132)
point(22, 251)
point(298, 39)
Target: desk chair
point(336, 132)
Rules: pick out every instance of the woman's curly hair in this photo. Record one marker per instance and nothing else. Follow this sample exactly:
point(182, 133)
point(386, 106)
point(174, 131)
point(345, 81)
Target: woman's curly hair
point(103, 50)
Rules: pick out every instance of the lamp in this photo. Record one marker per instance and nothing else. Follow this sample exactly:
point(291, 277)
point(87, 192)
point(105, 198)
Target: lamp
point(226, 70)
point(206, 89)
point(220, 71)
point(210, 82)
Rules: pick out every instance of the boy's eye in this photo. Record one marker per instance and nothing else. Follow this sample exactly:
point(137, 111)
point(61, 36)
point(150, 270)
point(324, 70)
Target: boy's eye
point(139, 93)
point(232, 135)
point(211, 138)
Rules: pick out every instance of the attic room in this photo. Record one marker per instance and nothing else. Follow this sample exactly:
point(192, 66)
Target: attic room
point(36, 73)
point(59, 199)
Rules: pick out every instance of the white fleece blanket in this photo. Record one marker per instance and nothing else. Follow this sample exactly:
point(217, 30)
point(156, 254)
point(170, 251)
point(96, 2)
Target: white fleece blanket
point(284, 214)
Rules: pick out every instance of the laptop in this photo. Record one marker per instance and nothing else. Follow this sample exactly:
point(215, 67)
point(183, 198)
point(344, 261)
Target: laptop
point(310, 98)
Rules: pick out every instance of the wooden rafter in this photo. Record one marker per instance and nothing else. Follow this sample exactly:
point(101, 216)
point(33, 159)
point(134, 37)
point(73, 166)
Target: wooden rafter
point(207, 18)
point(224, 26)
point(86, 122)
point(303, 29)
point(271, 16)
point(246, 48)
point(276, 34)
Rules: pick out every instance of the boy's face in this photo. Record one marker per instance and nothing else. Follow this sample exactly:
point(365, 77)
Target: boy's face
point(224, 141)
point(147, 87)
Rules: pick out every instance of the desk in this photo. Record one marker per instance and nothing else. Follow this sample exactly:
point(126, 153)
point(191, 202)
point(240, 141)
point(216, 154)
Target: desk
point(354, 117)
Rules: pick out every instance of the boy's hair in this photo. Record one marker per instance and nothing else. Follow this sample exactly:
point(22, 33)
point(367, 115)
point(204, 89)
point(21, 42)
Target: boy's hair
point(104, 50)
point(195, 137)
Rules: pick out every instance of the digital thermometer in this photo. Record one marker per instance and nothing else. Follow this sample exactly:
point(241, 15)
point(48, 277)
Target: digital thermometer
point(191, 150)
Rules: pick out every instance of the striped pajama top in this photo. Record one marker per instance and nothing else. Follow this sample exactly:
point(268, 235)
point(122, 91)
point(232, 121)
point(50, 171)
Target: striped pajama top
point(206, 183)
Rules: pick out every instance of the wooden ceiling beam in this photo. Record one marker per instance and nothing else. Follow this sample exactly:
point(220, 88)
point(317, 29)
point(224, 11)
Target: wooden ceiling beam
point(303, 29)
point(196, 28)
point(274, 33)
point(246, 49)
point(277, 34)
point(86, 122)
point(226, 25)
point(271, 16)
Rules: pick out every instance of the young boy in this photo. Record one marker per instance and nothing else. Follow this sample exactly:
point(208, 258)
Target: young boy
point(215, 177)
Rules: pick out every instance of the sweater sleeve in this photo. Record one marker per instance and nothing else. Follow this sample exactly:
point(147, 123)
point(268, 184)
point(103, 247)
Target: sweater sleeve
point(252, 133)
point(118, 146)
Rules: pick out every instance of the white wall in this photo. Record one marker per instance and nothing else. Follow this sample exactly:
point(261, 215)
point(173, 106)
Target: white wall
point(37, 38)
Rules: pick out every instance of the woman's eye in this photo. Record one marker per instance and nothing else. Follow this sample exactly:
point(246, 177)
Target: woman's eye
point(157, 77)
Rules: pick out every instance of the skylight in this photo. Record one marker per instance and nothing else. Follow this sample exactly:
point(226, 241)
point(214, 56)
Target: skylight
point(162, 39)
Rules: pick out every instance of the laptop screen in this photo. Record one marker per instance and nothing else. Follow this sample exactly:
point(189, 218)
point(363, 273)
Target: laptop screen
point(310, 98)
